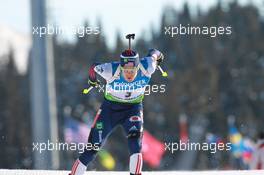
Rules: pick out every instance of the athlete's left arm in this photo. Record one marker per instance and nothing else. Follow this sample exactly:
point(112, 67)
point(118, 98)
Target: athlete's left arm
point(153, 59)
point(156, 55)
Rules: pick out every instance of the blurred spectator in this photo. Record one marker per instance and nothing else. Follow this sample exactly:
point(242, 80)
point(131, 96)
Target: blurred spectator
point(257, 161)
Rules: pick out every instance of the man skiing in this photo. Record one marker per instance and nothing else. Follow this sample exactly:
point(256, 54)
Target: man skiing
point(125, 85)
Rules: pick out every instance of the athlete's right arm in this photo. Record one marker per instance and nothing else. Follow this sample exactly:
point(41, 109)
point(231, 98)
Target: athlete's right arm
point(92, 76)
point(104, 70)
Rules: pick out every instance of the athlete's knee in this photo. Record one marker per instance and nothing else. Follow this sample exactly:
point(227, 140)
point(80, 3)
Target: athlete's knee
point(134, 133)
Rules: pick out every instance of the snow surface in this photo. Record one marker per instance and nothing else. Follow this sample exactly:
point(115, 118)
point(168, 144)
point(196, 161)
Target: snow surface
point(45, 172)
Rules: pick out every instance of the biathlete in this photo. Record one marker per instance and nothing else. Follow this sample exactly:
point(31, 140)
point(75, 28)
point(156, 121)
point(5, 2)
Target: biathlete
point(126, 81)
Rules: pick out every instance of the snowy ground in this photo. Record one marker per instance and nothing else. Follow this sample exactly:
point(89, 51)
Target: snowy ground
point(43, 172)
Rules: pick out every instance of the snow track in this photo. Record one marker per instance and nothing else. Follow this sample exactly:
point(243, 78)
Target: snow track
point(48, 172)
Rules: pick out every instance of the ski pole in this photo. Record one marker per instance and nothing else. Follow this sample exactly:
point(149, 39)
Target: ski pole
point(164, 74)
point(87, 90)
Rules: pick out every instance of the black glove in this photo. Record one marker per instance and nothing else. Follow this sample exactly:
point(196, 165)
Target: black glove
point(160, 56)
point(92, 77)
point(93, 83)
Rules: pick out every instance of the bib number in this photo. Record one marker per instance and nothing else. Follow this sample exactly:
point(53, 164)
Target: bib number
point(128, 94)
